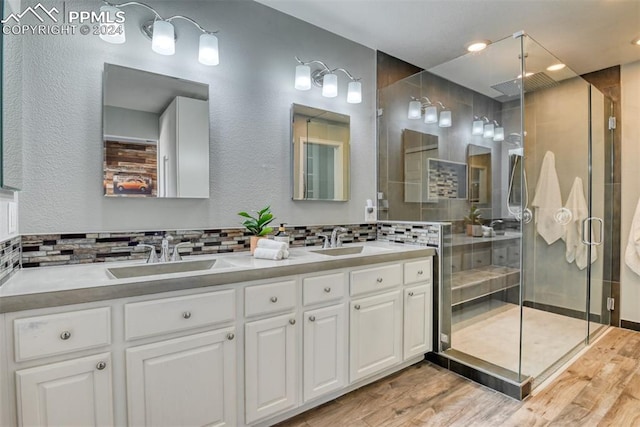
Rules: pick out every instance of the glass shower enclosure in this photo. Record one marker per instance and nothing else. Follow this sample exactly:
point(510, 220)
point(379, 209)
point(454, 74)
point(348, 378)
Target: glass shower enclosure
point(516, 174)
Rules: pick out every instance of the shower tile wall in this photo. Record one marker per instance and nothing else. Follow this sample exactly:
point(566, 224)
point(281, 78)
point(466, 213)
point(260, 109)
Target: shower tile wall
point(464, 103)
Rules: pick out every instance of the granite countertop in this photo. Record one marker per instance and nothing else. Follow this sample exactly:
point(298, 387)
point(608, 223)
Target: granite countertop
point(463, 239)
point(72, 284)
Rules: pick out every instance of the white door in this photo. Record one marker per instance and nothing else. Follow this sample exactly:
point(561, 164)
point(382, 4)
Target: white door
point(71, 393)
point(417, 321)
point(187, 381)
point(375, 334)
point(270, 366)
point(324, 351)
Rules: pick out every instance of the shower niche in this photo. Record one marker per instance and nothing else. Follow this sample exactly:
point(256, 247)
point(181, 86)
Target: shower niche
point(511, 306)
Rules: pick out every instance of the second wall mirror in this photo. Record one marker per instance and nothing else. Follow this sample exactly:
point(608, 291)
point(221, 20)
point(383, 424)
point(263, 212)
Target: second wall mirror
point(320, 154)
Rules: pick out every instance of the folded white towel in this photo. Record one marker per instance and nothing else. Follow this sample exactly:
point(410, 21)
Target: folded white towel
point(632, 253)
point(548, 200)
point(266, 253)
point(576, 250)
point(272, 244)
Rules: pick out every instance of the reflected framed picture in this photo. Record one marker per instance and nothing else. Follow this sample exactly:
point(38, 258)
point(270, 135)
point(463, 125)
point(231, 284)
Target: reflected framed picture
point(446, 180)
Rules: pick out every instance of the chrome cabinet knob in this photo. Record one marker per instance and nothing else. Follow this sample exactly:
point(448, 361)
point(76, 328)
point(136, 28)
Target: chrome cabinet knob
point(274, 299)
point(410, 294)
point(186, 315)
point(230, 336)
point(312, 318)
point(101, 365)
point(65, 335)
point(379, 279)
point(327, 289)
point(357, 306)
point(420, 272)
point(292, 321)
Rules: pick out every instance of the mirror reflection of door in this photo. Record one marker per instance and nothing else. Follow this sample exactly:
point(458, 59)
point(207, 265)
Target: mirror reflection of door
point(320, 154)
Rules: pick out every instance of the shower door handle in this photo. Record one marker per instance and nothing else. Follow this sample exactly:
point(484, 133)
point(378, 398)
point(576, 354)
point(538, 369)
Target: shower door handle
point(585, 230)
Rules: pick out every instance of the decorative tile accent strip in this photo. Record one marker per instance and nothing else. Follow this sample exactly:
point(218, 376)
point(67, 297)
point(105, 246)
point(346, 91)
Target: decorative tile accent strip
point(9, 258)
point(80, 248)
point(423, 233)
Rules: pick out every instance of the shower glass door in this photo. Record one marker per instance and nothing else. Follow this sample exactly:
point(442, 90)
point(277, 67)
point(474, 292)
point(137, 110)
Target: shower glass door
point(562, 286)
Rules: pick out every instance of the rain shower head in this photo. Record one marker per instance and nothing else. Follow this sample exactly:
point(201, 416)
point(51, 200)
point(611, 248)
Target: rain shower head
point(532, 83)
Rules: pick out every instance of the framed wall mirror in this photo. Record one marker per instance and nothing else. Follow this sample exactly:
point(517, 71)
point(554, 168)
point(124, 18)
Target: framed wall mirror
point(320, 154)
point(155, 135)
point(417, 149)
point(479, 162)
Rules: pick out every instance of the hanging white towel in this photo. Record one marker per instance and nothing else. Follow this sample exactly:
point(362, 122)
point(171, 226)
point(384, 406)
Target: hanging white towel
point(577, 205)
point(548, 200)
point(632, 254)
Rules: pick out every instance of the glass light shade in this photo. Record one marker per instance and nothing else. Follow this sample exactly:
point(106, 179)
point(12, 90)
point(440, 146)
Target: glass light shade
point(330, 85)
point(163, 41)
point(478, 127)
point(208, 53)
point(498, 134)
point(431, 114)
point(107, 26)
point(445, 119)
point(303, 77)
point(354, 93)
point(488, 130)
point(415, 110)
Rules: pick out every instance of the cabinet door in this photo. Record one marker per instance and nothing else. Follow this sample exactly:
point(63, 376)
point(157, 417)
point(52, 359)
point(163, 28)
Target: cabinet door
point(188, 381)
point(417, 321)
point(375, 334)
point(270, 366)
point(71, 393)
point(324, 351)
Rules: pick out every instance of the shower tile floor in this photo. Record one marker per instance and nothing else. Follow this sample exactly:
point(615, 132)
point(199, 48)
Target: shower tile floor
point(492, 335)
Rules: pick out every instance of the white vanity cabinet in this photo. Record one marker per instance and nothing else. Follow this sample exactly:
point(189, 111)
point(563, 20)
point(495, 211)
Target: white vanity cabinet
point(187, 381)
point(417, 321)
point(271, 354)
point(75, 392)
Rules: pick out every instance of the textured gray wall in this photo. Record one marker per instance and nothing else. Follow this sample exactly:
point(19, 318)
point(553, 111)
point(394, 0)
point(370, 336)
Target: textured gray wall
point(251, 93)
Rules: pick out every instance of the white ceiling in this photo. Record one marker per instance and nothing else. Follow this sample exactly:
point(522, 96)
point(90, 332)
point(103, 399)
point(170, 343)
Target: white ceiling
point(587, 35)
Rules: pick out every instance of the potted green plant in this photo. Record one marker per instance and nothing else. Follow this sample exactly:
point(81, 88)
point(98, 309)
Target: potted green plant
point(258, 225)
point(473, 221)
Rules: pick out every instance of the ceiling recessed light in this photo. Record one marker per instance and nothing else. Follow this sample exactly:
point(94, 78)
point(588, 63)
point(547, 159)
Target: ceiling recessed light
point(478, 45)
point(636, 41)
point(555, 67)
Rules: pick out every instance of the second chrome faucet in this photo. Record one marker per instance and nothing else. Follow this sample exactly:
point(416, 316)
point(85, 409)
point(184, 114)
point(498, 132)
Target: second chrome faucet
point(334, 241)
point(164, 251)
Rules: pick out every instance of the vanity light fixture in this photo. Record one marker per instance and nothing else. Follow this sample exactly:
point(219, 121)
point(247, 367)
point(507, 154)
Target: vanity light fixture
point(161, 31)
point(487, 128)
point(327, 79)
point(416, 106)
point(478, 125)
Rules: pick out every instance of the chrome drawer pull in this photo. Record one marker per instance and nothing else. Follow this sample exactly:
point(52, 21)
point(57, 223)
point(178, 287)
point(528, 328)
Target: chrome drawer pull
point(420, 272)
point(410, 294)
point(101, 365)
point(186, 315)
point(292, 321)
point(357, 306)
point(379, 279)
point(65, 335)
point(274, 299)
point(312, 318)
point(327, 289)
point(230, 336)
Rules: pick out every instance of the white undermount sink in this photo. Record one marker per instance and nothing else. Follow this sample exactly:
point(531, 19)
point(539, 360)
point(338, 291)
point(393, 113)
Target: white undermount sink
point(348, 250)
point(141, 270)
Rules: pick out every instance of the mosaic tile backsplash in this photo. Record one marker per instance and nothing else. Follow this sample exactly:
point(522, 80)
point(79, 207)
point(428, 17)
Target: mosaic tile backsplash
point(80, 248)
point(9, 258)
point(416, 233)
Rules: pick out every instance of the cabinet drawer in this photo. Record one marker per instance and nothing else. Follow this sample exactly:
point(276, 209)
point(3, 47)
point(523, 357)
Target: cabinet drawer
point(476, 259)
point(323, 288)
point(61, 333)
point(418, 271)
point(374, 279)
point(161, 316)
point(513, 256)
point(499, 256)
point(269, 298)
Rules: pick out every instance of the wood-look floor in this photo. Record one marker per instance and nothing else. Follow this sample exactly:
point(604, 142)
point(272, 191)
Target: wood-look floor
point(601, 388)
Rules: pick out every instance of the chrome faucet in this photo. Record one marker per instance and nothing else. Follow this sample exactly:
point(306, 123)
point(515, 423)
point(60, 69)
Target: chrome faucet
point(153, 257)
point(164, 253)
point(335, 237)
point(176, 255)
